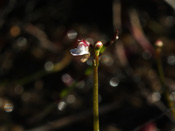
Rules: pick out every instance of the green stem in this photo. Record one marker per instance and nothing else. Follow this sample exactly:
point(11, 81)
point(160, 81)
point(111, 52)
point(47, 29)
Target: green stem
point(162, 80)
point(95, 93)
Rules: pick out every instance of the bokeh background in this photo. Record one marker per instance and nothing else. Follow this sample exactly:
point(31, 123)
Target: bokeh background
point(44, 88)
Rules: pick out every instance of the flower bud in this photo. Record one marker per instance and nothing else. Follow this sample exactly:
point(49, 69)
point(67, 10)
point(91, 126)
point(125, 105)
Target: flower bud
point(158, 47)
point(117, 35)
point(98, 45)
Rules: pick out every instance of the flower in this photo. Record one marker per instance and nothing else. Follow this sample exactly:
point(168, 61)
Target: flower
point(82, 49)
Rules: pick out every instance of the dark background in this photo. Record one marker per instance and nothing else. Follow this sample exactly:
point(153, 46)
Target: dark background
point(43, 87)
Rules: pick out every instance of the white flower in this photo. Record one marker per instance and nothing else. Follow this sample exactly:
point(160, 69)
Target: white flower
point(82, 49)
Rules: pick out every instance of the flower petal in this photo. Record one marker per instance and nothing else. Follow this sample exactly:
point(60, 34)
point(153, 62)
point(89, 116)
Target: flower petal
point(84, 43)
point(80, 50)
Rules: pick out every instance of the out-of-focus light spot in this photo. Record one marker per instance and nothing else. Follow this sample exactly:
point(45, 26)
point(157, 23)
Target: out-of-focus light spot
point(155, 96)
point(8, 106)
point(15, 31)
point(18, 90)
point(39, 84)
point(49, 66)
point(72, 34)
point(67, 79)
point(21, 41)
point(107, 60)
point(171, 60)
point(172, 96)
point(151, 126)
point(80, 84)
point(26, 96)
point(114, 82)
point(61, 105)
point(146, 55)
point(173, 129)
point(159, 43)
point(117, 37)
point(71, 99)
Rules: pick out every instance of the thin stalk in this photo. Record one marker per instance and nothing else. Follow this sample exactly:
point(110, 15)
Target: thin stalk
point(95, 94)
point(163, 82)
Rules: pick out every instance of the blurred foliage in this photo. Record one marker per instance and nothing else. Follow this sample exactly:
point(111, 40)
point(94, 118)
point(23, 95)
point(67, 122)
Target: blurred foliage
point(43, 88)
